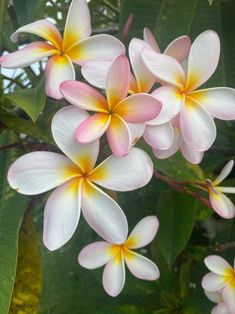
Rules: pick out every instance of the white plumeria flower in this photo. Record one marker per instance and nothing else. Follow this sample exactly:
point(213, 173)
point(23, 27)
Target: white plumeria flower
point(221, 204)
point(220, 279)
point(74, 177)
point(197, 108)
point(115, 256)
point(217, 297)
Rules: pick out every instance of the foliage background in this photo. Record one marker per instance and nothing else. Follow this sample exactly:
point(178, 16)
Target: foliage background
point(34, 280)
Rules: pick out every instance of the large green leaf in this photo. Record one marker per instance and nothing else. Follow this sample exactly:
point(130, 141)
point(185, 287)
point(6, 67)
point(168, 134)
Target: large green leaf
point(29, 11)
point(12, 206)
point(3, 5)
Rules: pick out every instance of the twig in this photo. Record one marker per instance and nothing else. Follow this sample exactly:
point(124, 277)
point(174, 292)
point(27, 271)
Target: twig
point(225, 246)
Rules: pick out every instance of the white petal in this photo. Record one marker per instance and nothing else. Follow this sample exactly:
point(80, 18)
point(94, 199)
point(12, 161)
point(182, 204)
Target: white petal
point(222, 205)
point(150, 39)
point(229, 296)
point(61, 215)
point(64, 125)
point(159, 137)
point(125, 173)
point(217, 265)
point(190, 154)
point(226, 189)
point(215, 297)
point(179, 48)
point(213, 282)
point(224, 172)
point(136, 130)
point(143, 233)
point(38, 172)
point(96, 72)
point(221, 308)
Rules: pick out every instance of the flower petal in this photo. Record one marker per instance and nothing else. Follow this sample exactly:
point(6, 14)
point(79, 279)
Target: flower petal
point(42, 28)
point(165, 68)
point(78, 24)
point(64, 125)
point(213, 282)
point(136, 130)
point(226, 189)
point(140, 266)
point(96, 72)
point(61, 215)
point(203, 59)
point(219, 101)
point(143, 233)
point(197, 127)
point(93, 127)
point(159, 137)
point(145, 79)
point(118, 81)
point(222, 205)
point(114, 276)
point(179, 48)
point(58, 69)
point(103, 214)
point(119, 136)
point(96, 255)
point(124, 173)
point(83, 96)
point(101, 47)
point(38, 172)
point(190, 154)
point(172, 103)
point(215, 297)
point(150, 39)
point(217, 265)
point(221, 308)
point(28, 55)
point(224, 172)
point(138, 108)
point(229, 296)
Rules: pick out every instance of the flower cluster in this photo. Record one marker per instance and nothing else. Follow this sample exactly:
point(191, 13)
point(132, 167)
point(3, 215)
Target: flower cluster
point(174, 116)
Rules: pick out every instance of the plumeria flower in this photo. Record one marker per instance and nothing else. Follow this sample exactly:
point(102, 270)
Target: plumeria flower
point(221, 204)
point(115, 256)
point(220, 279)
point(197, 108)
point(217, 297)
point(75, 179)
point(113, 112)
point(76, 46)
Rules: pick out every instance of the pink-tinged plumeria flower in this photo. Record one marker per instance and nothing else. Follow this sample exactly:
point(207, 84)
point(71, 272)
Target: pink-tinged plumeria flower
point(221, 204)
point(197, 108)
point(74, 178)
point(217, 297)
point(76, 46)
point(220, 279)
point(115, 256)
point(111, 114)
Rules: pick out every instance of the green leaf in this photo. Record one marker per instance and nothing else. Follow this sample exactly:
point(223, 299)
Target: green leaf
point(29, 11)
point(3, 5)
point(176, 213)
point(32, 101)
point(12, 207)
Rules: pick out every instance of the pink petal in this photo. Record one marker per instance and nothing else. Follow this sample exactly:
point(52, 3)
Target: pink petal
point(217, 265)
point(138, 108)
point(118, 81)
point(42, 28)
point(38, 172)
point(133, 87)
point(193, 156)
point(61, 215)
point(150, 39)
point(229, 296)
point(93, 127)
point(64, 125)
point(213, 282)
point(145, 79)
point(164, 67)
point(103, 214)
point(83, 96)
point(78, 24)
point(179, 48)
point(114, 276)
point(159, 137)
point(28, 55)
point(119, 136)
point(197, 127)
point(95, 255)
point(140, 266)
point(143, 233)
point(203, 59)
point(222, 205)
point(58, 69)
point(125, 173)
point(224, 172)
point(96, 72)
point(221, 308)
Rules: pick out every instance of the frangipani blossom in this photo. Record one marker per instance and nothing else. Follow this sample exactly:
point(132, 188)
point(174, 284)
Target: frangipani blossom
point(220, 279)
point(197, 108)
point(113, 112)
point(76, 46)
point(115, 256)
point(221, 204)
point(75, 179)
point(217, 297)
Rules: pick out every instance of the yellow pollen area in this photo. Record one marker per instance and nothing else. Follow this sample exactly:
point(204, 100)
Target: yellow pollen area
point(72, 186)
point(230, 274)
point(99, 173)
point(130, 242)
point(120, 250)
point(72, 171)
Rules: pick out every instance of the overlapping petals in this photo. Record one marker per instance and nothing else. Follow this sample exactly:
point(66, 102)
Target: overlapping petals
point(72, 176)
point(76, 46)
point(217, 297)
point(116, 256)
point(112, 115)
